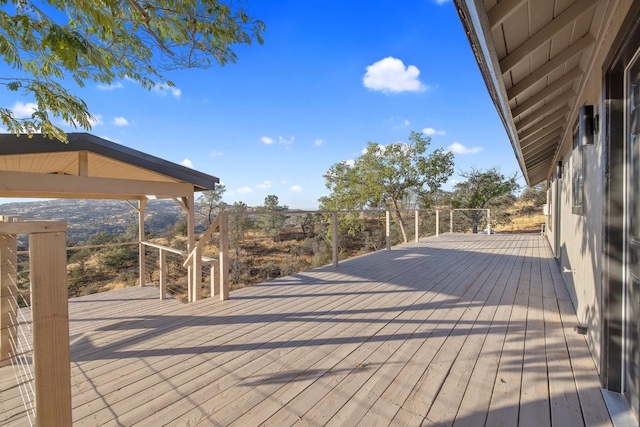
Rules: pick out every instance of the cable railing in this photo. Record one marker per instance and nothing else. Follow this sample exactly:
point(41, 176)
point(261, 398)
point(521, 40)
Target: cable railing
point(34, 330)
point(164, 268)
point(15, 274)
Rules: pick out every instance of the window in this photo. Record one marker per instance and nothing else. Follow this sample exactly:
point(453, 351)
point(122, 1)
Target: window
point(577, 160)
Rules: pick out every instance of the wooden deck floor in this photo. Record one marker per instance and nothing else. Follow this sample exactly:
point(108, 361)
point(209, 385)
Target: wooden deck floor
point(457, 330)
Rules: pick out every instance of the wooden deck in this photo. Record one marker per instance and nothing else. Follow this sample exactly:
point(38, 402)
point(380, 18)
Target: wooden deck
point(458, 330)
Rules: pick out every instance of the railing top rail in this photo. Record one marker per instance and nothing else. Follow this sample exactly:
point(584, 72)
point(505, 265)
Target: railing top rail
point(165, 248)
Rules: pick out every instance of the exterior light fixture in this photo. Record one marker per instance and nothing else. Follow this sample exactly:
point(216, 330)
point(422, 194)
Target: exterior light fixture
point(559, 169)
point(586, 125)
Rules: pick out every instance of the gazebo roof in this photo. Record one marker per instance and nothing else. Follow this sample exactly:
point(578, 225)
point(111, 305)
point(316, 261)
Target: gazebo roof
point(90, 167)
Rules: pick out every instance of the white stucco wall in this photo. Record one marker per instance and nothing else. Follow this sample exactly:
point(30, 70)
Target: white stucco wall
point(580, 240)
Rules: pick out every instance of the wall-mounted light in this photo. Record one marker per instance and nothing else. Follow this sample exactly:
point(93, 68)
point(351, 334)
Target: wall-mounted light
point(586, 125)
point(559, 169)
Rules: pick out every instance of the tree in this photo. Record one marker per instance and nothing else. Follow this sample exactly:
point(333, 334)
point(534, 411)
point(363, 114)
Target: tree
point(104, 40)
point(484, 189)
point(383, 176)
point(210, 202)
point(272, 223)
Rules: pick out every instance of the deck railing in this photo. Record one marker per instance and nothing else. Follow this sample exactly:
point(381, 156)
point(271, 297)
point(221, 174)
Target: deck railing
point(34, 321)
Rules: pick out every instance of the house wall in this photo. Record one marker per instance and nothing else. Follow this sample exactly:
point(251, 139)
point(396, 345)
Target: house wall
point(580, 247)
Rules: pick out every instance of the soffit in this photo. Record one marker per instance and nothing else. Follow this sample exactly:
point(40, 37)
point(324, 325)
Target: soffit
point(540, 50)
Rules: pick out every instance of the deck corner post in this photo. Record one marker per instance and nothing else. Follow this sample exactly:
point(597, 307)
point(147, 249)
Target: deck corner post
point(163, 274)
point(197, 274)
point(437, 222)
point(224, 256)
point(50, 316)
point(8, 274)
point(212, 279)
point(142, 204)
point(451, 221)
point(334, 235)
point(417, 226)
point(388, 229)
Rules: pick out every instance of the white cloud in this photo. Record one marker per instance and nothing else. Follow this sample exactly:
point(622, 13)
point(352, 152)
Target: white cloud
point(319, 142)
point(391, 75)
point(284, 181)
point(266, 140)
point(22, 110)
point(442, 1)
point(215, 153)
point(109, 138)
point(350, 162)
point(164, 89)
point(296, 188)
point(120, 121)
point(432, 131)
point(116, 85)
point(458, 148)
point(264, 184)
point(187, 163)
point(97, 120)
point(286, 141)
point(407, 122)
point(244, 190)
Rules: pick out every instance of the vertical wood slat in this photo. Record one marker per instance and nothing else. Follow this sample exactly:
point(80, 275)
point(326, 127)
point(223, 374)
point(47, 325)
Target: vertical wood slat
point(8, 276)
point(388, 229)
point(224, 256)
point(163, 274)
point(197, 275)
point(334, 244)
point(417, 226)
point(212, 278)
point(488, 222)
point(141, 238)
point(437, 222)
point(191, 241)
point(451, 221)
point(49, 308)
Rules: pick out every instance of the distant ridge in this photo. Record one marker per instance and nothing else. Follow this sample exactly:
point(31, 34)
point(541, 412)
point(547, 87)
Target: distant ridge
point(88, 217)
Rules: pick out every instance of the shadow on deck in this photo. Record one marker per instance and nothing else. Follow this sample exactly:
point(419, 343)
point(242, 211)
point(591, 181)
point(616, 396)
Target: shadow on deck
point(464, 330)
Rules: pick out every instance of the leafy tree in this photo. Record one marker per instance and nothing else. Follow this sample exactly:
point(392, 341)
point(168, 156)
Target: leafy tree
point(384, 176)
point(210, 202)
point(484, 189)
point(104, 40)
point(272, 223)
point(532, 199)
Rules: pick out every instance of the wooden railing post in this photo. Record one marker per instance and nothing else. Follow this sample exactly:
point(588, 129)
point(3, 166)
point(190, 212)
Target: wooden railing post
point(50, 315)
point(437, 222)
point(488, 221)
point(212, 279)
point(163, 274)
point(197, 275)
point(224, 256)
point(141, 238)
point(417, 226)
point(8, 276)
point(451, 221)
point(334, 237)
point(388, 230)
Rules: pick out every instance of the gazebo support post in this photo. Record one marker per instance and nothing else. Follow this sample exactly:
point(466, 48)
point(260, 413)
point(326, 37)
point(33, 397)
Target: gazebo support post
point(142, 204)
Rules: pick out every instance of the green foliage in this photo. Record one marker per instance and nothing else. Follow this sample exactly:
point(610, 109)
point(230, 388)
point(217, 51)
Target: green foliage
point(534, 197)
point(272, 223)
point(105, 40)
point(388, 177)
point(210, 202)
point(118, 257)
point(485, 189)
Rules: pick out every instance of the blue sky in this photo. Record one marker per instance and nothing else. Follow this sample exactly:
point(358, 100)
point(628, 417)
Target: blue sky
point(331, 76)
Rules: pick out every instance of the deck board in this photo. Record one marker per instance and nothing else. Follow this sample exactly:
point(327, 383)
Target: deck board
point(456, 330)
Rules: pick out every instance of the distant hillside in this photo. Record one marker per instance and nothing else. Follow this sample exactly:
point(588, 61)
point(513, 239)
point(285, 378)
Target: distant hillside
point(88, 217)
